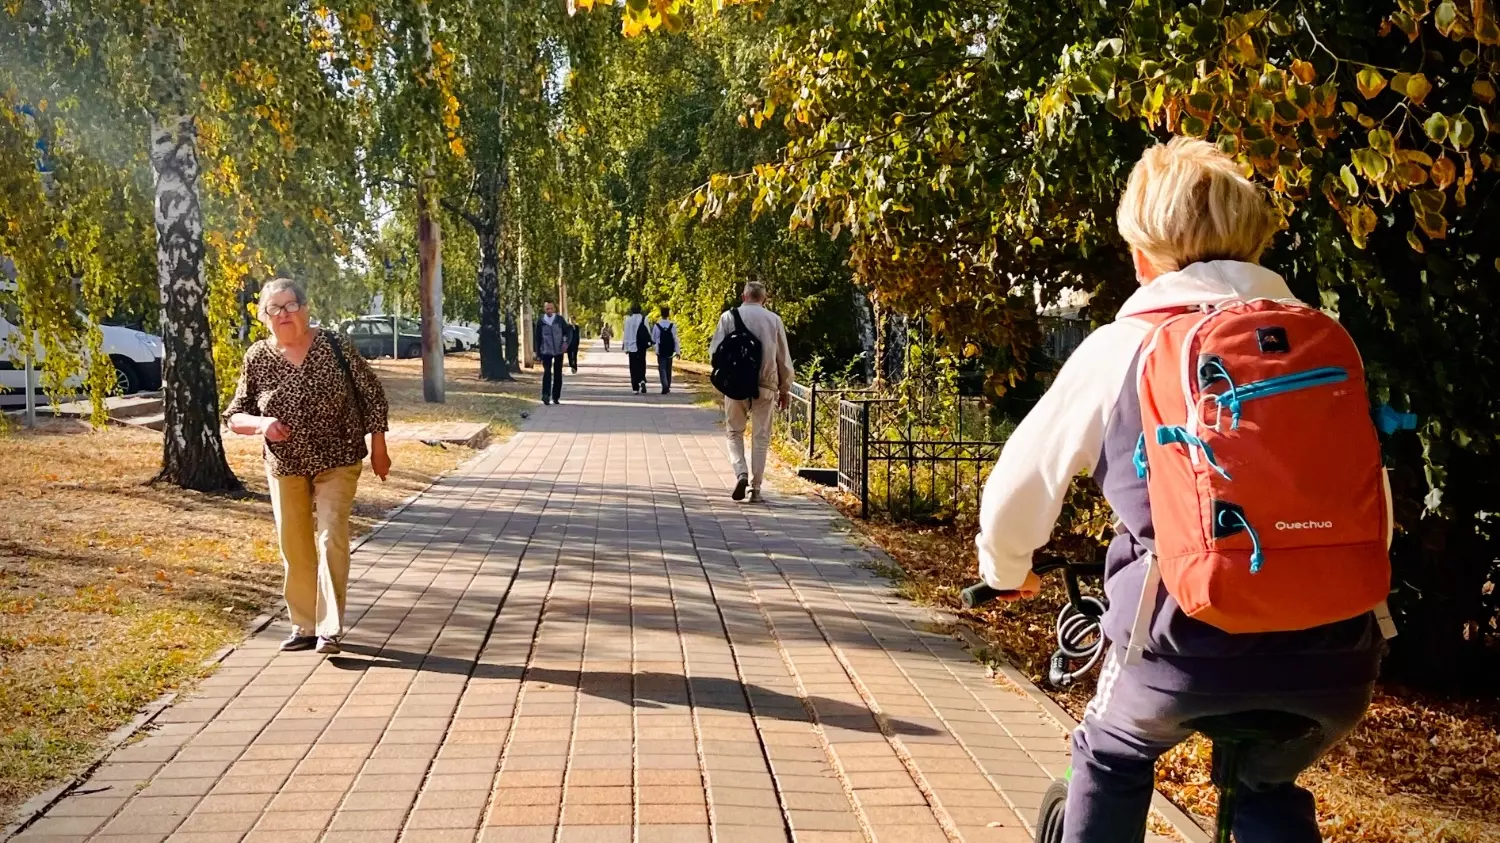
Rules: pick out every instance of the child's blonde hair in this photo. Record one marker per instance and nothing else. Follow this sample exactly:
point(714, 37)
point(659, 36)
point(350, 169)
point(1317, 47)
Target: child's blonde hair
point(1188, 202)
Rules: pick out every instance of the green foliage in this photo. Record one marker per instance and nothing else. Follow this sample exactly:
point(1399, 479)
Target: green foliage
point(647, 121)
point(972, 152)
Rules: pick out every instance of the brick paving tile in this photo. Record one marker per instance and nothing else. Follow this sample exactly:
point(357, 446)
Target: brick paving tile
point(672, 834)
point(294, 821)
point(597, 834)
point(220, 822)
point(537, 655)
point(297, 836)
point(524, 815)
point(519, 834)
point(64, 827)
point(445, 818)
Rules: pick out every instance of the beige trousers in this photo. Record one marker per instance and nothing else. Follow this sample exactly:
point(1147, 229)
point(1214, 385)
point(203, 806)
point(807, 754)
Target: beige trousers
point(312, 525)
point(758, 414)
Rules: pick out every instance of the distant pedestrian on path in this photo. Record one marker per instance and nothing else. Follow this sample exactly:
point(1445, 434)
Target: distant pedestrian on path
point(575, 336)
point(637, 339)
point(664, 337)
point(552, 335)
point(752, 368)
point(606, 333)
point(313, 398)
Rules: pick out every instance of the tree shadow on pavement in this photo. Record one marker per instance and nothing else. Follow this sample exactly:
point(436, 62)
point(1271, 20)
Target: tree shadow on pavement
point(647, 689)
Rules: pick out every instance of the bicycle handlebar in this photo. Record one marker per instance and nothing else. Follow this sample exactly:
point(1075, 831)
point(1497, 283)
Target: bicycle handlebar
point(980, 593)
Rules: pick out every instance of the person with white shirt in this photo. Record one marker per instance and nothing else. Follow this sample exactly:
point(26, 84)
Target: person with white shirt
point(552, 338)
point(775, 387)
point(668, 347)
point(637, 339)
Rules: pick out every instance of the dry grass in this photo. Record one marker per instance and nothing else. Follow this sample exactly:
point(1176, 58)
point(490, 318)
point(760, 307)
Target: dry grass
point(1419, 768)
point(113, 591)
point(469, 399)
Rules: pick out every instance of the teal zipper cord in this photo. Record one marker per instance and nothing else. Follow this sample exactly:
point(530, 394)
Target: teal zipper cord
point(1257, 557)
point(1168, 434)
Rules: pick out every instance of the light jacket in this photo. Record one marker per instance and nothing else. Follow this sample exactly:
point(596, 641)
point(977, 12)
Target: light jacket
point(1089, 421)
point(776, 356)
point(633, 323)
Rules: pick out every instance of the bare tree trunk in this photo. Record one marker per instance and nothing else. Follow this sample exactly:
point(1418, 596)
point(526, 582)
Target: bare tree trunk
point(192, 448)
point(430, 257)
point(492, 366)
point(492, 354)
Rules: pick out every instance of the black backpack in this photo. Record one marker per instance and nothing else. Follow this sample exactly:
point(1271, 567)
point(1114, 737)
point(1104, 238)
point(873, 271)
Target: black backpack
point(668, 345)
point(736, 363)
point(642, 336)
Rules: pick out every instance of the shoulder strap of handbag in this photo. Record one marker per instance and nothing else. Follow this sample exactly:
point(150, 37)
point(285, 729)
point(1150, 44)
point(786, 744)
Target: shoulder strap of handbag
point(359, 399)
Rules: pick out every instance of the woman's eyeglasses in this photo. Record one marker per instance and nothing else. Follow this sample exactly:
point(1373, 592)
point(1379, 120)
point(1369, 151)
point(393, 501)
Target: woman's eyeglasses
point(278, 309)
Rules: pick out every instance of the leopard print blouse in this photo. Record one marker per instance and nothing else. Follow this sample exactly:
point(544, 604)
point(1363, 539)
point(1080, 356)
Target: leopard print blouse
point(315, 401)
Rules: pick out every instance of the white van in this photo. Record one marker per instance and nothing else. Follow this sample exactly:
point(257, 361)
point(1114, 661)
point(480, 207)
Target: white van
point(136, 355)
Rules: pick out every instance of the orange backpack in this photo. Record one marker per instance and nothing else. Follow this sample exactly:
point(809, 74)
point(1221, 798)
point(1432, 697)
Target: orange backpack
point(1263, 467)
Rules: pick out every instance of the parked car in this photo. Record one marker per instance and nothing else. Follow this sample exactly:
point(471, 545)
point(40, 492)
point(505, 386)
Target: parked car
point(136, 355)
point(460, 338)
point(373, 336)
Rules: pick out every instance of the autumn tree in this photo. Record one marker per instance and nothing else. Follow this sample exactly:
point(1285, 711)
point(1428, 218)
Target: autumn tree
point(243, 130)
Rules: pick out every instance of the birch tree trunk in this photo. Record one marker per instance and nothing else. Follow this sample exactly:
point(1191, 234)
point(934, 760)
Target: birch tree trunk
point(192, 448)
point(864, 320)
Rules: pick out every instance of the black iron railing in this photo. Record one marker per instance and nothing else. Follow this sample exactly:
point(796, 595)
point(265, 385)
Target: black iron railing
point(854, 437)
point(811, 422)
point(916, 469)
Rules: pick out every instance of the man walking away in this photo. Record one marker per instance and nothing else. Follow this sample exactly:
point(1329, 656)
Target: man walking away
point(552, 334)
point(664, 337)
point(752, 368)
point(606, 333)
point(636, 339)
point(574, 337)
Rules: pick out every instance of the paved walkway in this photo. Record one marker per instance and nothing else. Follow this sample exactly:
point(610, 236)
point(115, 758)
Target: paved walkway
point(580, 637)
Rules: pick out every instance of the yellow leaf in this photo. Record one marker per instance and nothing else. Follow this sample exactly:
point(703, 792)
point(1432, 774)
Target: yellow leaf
point(1417, 88)
point(1370, 82)
point(1444, 172)
point(1304, 71)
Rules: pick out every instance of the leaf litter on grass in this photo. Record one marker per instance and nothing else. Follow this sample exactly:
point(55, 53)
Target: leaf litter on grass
point(114, 591)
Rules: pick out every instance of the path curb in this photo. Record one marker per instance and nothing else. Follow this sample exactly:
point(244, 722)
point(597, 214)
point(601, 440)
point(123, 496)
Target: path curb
point(37, 806)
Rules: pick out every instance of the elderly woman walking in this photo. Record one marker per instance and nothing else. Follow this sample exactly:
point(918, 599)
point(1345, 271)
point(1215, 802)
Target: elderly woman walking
point(313, 399)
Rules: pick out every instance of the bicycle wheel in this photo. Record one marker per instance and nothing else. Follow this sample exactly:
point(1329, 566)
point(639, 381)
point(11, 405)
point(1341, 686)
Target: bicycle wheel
point(1049, 821)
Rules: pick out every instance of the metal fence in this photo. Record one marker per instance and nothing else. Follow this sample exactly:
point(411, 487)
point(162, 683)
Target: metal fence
point(811, 422)
point(914, 469)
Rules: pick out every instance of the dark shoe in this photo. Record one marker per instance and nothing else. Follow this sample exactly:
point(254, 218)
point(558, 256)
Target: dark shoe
point(739, 487)
point(295, 643)
point(546, 401)
point(329, 646)
point(557, 401)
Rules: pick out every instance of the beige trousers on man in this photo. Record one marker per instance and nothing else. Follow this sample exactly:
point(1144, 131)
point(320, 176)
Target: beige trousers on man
point(312, 525)
point(758, 414)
